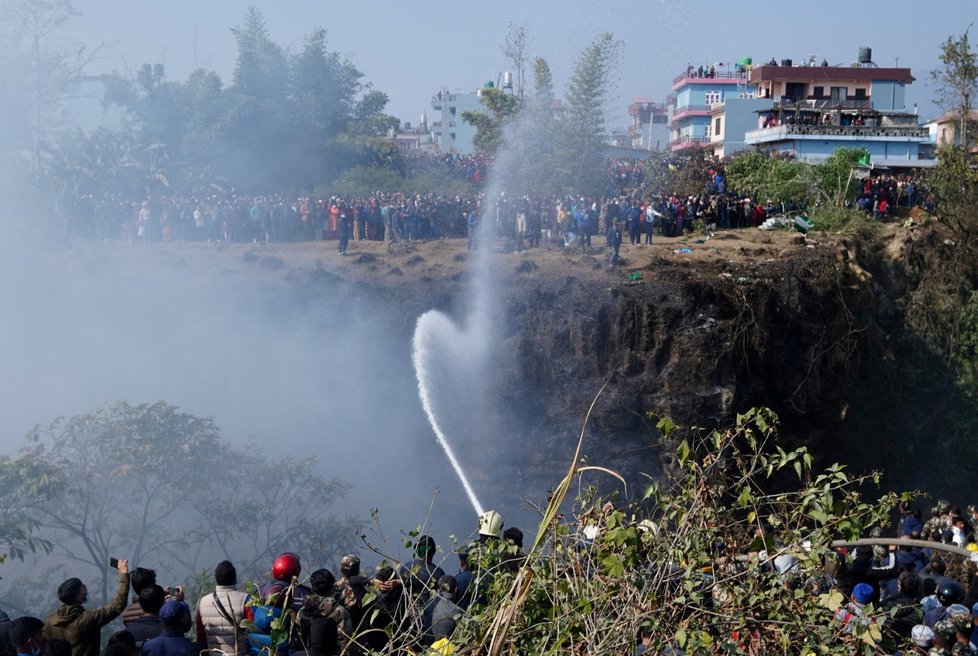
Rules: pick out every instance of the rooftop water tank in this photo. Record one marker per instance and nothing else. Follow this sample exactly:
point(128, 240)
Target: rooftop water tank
point(865, 55)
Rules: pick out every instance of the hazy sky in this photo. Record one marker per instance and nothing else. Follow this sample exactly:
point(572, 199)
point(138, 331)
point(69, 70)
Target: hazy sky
point(410, 50)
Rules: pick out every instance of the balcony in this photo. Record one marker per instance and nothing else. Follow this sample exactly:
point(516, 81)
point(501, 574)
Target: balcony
point(685, 141)
point(645, 108)
point(853, 132)
point(724, 77)
point(439, 100)
point(823, 105)
point(690, 110)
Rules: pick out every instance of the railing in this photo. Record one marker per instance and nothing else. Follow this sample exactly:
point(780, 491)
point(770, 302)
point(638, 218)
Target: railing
point(782, 131)
point(645, 107)
point(687, 140)
point(688, 109)
point(719, 75)
point(824, 105)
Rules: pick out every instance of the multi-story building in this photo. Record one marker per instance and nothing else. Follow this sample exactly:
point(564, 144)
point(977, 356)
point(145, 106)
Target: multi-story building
point(731, 120)
point(650, 124)
point(819, 109)
point(696, 91)
point(450, 132)
point(409, 138)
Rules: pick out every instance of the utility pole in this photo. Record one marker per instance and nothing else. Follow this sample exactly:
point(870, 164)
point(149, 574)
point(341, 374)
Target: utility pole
point(965, 111)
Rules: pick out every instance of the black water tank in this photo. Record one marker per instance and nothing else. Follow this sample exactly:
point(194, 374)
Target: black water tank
point(786, 62)
point(865, 55)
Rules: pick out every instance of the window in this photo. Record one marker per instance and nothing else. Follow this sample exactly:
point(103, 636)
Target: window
point(860, 94)
point(716, 126)
point(819, 92)
point(839, 93)
point(713, 97)
point(706, 131)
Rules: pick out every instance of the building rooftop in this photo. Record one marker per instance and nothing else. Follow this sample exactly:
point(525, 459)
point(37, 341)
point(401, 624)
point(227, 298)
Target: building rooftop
point(769, 73)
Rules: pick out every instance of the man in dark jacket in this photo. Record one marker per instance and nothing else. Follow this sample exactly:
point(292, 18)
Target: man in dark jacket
point(903, 610)
point(440, 614)
point(175, 618)
point(83, 628)
point(148, 626)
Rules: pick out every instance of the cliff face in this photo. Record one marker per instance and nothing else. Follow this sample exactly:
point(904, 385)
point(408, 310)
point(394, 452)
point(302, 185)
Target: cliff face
point(696, 342)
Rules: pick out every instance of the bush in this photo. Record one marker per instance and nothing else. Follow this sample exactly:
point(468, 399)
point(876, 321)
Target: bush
point(691, 564)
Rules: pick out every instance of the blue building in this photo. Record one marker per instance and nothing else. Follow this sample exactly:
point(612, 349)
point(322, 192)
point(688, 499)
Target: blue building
point(696, 92)
point(819, 109)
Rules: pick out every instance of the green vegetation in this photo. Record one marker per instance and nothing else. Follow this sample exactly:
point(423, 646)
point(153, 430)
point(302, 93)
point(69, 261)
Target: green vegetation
point(159, 485)
point(691, 563)
point(549, 151)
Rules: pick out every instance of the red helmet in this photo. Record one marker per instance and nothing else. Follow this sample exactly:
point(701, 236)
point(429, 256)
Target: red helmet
point(286, 567)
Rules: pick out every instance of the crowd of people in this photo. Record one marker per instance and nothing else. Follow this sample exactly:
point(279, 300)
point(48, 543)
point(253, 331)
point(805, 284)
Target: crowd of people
point(921, 602)
point(878, 195)
point(631, 204)
point(415, 604)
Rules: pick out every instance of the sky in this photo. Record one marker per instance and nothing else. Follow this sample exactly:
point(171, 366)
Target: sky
point(410, 51)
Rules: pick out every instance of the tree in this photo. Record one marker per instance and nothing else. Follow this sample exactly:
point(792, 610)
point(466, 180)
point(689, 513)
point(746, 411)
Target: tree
point(502, 107)
point(161, 487)
point(584, 131)
point(24, 482)
point(516, 50)
point(764, 176)
point(51, 63)
point(259, 115)
point(957, 83)
point(833, 176)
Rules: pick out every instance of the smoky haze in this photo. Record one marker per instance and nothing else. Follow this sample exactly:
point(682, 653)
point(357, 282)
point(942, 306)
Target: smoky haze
point(297, 364)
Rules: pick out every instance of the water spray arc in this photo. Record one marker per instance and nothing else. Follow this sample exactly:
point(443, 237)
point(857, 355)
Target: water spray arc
point(432, 326)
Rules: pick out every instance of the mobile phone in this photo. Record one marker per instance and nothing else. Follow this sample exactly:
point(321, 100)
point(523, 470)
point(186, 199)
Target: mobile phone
point(114, 563)
point(171, 591)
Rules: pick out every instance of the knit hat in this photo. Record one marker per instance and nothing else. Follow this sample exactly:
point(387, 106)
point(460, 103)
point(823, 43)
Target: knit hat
point(862, 593)
point(171, 612)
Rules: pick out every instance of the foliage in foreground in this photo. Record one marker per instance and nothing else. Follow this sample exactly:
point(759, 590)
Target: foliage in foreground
point(691, 564)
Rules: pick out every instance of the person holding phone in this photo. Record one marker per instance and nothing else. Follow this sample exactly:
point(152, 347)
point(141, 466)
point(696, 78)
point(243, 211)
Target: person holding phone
point(80, 627)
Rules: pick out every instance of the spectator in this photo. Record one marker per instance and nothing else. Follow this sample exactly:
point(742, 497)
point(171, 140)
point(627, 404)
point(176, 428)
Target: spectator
point(219, 614)
point(148, 626)
point(175, 618)
point(83, 628)
point(27, 636)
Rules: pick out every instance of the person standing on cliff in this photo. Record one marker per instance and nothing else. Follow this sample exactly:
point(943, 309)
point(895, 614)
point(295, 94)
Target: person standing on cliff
point(614, 241)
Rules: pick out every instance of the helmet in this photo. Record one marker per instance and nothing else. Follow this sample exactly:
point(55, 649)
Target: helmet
point(350, 565)
point(942, 506)
point(490, 523)
point(286, 567)
point(961, 621)
point(945, 631)
point(950, 592)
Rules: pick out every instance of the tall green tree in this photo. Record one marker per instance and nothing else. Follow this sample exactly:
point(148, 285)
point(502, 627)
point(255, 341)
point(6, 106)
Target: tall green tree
point(957, 84)
point(502, 108)
point(585, 132)
point(260, 112)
